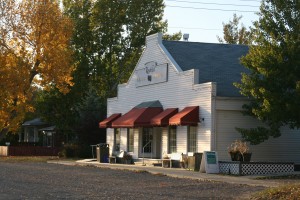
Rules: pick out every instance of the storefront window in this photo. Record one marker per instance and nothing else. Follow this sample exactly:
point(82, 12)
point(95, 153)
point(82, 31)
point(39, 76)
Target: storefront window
point(192, 139)
point(130, 140)
point(117, 139)
point(172, 140)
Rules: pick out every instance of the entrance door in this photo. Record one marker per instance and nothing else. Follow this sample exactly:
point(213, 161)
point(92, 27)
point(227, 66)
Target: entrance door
point(151, 142)
point(147, 142)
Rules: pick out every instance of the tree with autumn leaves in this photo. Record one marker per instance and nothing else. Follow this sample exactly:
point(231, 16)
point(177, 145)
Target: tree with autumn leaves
point(76, 51)
point(34, 53)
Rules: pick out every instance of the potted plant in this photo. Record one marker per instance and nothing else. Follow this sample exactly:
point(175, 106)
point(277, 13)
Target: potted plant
point(239, 151)
point(166, 161)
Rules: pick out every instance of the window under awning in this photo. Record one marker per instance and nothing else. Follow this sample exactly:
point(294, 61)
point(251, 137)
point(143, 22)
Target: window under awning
point(162, 119)
point(139, 116)
point(108, 121)
point(189, 116)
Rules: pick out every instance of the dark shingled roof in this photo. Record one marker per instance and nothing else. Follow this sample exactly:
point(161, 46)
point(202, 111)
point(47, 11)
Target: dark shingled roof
point(149, 104)
point(218, 63)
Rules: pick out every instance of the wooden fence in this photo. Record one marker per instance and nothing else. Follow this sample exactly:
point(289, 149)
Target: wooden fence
point(28, 151)
point(3, 150)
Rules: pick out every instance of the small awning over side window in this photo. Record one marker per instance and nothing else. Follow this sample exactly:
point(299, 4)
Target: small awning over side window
point(162, 119)
point(189, 116)
point(108, 121)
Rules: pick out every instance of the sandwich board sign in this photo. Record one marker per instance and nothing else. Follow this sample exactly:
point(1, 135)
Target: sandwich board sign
point(209, 162)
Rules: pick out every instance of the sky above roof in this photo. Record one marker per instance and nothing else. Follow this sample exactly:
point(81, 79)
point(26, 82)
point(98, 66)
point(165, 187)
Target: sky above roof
point(202, 19)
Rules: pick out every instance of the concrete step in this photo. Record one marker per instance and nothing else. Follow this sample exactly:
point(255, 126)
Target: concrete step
point(147, 162)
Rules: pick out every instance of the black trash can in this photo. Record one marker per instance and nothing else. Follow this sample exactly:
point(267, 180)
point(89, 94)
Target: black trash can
point(194, 161)
point(102, 153)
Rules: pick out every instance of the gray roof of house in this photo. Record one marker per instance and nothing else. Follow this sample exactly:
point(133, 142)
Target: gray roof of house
point(149, 104)
point(218, 63)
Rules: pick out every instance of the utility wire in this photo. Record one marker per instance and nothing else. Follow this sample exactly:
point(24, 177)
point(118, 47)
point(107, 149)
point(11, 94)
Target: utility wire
point(251, 0)
point(216, 9)
point(205, 29)
point(219, 4)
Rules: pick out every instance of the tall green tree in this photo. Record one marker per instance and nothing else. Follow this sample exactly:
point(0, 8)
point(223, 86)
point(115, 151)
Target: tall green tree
point(235, 32)
point(273, 83)
point(63, 110)
point(175, 36)
point(108, 39)
point(121, 28)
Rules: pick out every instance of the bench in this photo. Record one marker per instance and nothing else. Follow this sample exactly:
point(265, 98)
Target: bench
point(173, 157)
point(116, 156)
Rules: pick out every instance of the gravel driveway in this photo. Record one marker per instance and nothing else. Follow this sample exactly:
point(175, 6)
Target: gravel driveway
point(24, 180)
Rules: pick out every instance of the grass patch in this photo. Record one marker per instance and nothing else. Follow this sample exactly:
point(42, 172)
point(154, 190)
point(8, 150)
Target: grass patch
point(291, 191)
point(27, 158)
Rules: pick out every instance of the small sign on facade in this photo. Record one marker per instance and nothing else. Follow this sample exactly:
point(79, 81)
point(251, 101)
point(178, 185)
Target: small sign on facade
point(151, 74)
point(210, 162)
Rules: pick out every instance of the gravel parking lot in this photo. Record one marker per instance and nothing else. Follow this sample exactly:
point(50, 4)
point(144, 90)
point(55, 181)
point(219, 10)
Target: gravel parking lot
point(25, 180)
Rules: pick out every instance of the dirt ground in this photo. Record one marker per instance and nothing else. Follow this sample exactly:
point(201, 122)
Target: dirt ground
point(26, 180)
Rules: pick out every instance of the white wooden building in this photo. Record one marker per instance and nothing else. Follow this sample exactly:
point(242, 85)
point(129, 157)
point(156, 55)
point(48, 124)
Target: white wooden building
point(172, 82)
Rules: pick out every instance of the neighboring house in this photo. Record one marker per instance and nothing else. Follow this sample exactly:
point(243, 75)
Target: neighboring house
point(36, 139)
point(39, 133)
point(31, 130)
point(180, 98)
point(49, 136)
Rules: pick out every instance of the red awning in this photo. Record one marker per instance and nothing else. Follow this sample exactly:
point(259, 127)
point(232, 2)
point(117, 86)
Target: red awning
point(189, 116)
point(162, 119)
point(107, 122)
point(137, 117)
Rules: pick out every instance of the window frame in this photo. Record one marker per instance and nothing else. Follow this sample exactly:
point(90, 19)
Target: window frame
point(172, 139)
point(192, 141)
point(130, 140)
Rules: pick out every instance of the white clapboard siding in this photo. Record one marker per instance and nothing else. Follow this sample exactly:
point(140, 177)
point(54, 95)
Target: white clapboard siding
point(164, 138)
point(110, 139)
point(284, 149)
point(179, 91)
point(123, 142)
point(181, 132)
point(136, 142)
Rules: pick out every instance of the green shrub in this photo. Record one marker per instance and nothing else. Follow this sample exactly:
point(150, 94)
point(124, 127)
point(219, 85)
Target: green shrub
point(75, 151)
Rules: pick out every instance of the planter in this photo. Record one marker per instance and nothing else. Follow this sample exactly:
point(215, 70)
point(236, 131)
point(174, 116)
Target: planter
point(247, 157)
point(237, 156)
point(166, 163)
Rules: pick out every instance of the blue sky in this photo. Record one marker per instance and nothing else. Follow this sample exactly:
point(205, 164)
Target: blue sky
point(202, 19)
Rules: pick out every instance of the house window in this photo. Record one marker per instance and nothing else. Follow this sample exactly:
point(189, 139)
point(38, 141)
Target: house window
point(192, 139)
point(117, 139)
point(172, 140)
point(130, 140)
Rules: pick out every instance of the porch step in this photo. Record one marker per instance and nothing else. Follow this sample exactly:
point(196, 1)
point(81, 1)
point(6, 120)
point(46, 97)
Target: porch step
point(147, 162)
